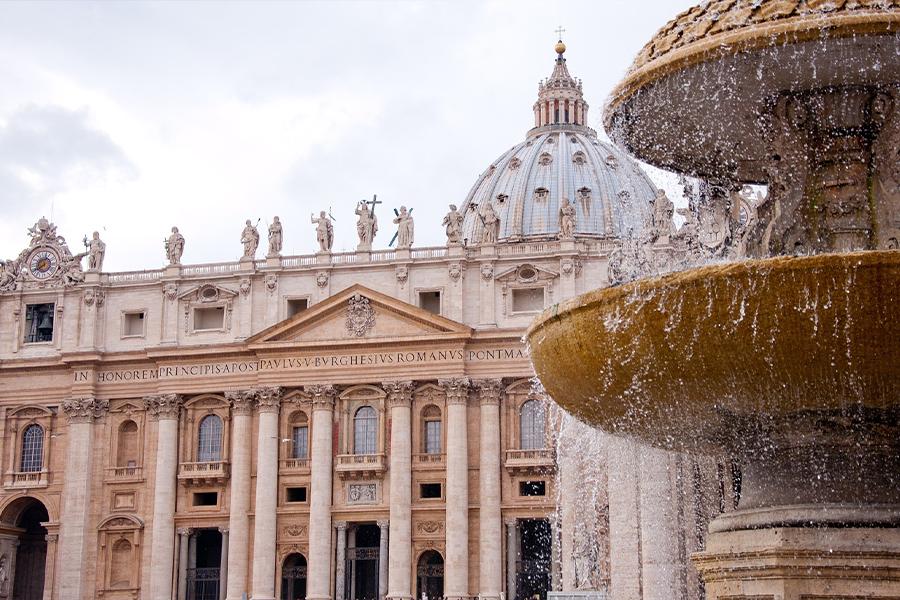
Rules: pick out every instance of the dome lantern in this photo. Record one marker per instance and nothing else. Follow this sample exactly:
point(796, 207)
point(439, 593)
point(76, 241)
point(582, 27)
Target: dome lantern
point(560, 99)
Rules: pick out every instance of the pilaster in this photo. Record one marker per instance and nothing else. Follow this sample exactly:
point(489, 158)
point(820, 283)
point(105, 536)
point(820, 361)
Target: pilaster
point(80, 413)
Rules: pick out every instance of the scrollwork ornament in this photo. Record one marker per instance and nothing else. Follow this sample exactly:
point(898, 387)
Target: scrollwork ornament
point(321, 395)
point(399, 393)
point(242, 401)
point(488, 390)
point(360, 315)
point(163, 406)
point(170, 291)
point(268, 399)
point(84, 410)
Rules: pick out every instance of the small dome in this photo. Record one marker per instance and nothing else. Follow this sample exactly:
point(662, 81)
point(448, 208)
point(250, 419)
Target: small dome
point(611, 194)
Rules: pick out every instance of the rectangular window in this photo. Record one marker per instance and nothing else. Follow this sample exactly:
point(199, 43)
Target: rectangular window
point(133, 324)
point(532, 488)
point(528, 300)
point(430, 301)
point(295, 494)
point(38, 323)
point(209, 318)
point(300, 439)
point(429, 490)
point(296, 305)
point(432, 437)
point(206, 498)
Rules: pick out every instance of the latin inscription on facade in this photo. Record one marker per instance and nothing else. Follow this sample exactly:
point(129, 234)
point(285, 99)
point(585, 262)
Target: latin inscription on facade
point(301, 363)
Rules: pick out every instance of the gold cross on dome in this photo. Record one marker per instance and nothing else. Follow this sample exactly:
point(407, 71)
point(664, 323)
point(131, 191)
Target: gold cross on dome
point(560, 31)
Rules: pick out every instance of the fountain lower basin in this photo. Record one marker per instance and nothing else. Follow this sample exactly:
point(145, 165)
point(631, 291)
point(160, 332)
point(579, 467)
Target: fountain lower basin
point(789, 365)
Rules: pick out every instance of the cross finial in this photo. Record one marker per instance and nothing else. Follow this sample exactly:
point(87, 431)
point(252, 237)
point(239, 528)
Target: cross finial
point(560, 31)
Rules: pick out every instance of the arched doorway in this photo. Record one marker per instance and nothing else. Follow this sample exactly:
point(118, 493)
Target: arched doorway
point(293, 577)
point(430, 575)
point(23, 549)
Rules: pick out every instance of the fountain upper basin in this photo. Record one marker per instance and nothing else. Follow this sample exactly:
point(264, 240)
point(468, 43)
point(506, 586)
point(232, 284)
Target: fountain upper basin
point(722, 358)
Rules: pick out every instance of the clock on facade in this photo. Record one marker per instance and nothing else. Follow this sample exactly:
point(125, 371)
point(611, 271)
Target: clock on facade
point(43, 264)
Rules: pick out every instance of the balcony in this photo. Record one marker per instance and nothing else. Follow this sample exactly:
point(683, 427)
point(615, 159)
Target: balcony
point(298, 466)
point(359, 466)
point(527, 462)
point(203, 473)
point(130, 473)
point(425, 461)
point(26, 479)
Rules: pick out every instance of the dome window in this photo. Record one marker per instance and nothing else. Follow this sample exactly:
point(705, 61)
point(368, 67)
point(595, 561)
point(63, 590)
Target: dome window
point(612, 162)
point(501, 198)
point(541, 194)
point(545, 159)
point(579, 158)
point(514, 164)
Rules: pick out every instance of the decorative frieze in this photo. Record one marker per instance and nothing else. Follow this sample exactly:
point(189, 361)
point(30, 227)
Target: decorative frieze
point(321, 395)
point(362, 493)
point(294, 530)
point(429, 527)
point(488, 390)
point(399, 393)
point(163, 406)
point(84, 410)
point(456, 388)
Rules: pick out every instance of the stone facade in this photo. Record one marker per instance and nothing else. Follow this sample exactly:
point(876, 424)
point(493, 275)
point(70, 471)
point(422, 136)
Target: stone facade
point(338, 425)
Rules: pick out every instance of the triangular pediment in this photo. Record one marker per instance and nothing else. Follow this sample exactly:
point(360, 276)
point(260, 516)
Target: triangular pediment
point(359, 315)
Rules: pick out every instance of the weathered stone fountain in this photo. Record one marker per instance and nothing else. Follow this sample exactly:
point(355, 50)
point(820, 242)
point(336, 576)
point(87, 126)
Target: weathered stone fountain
point(788, 362)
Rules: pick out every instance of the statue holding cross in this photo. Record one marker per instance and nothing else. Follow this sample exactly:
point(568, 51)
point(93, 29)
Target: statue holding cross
point(367, 222)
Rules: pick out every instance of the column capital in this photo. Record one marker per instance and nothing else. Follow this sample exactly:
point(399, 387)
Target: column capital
point(383, 524)
point(242, 401)
point(84, 410)
point(456, 388)
point(223, 530)
point(183, 531)
point(340, 525)
point(399, 393)
point(268, 399)
point(488, 390)
point(510, 521)
point(322, 396)
point(163, 406)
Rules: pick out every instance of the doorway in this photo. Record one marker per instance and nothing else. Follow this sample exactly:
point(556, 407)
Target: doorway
point(23, 549)
point(293, 577)
point(362, 562)
point(533, 572)
point(430, 576)
point(205, 562)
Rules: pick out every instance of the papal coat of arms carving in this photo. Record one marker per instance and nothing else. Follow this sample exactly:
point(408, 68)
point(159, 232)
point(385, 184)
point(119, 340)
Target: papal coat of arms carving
point(360, 315)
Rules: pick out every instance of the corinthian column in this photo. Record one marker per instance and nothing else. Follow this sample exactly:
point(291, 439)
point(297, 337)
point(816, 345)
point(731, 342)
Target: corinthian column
point(318, 577)
point(399, 397)
point(239, 519)
point(456, 567)
point(268, 401)
point(80, 413)
point(490, 527)
point(164, 409)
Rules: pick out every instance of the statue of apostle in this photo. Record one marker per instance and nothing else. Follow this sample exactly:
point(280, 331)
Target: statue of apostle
point(453, 222)
point(404, 222)
point(663, 210)
point(96, 251)
point(566, 220)
point(491, 223)
point(366, 225)
point(174, 247)
point(275, 237)
point(324, 231)
point(250, 239)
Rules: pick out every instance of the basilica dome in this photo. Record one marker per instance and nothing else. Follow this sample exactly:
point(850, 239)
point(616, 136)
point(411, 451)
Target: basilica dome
point(561, 158)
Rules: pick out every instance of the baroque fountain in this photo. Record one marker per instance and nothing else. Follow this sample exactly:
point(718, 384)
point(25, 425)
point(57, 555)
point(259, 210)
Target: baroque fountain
point(783, 352)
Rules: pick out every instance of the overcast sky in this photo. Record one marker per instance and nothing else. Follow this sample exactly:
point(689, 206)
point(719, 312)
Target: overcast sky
point(129, 117)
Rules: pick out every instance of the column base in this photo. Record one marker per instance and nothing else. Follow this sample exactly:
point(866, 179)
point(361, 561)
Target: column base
point(791, 563)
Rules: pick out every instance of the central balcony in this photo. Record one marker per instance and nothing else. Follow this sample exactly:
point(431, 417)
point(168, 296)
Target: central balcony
point(359, 466)
point(203, 473)
point(295, 465)
point(128, 473)
point(526, 462)
point(428, 461)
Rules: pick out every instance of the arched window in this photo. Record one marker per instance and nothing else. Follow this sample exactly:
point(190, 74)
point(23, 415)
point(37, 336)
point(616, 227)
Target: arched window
point(299, 435)
point(293, 577)
point(531, 425)
point(120, 565)
point(431, 430)
point(33, 449)
point(127, 447)
point(209, 444)
point(365, 422)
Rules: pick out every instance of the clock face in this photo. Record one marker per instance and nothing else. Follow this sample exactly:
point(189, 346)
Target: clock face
point(43, 264)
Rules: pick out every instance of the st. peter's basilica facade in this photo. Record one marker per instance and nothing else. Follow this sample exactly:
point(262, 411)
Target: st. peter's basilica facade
point(352, 425)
